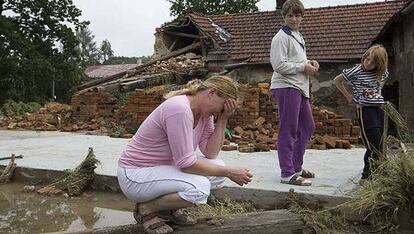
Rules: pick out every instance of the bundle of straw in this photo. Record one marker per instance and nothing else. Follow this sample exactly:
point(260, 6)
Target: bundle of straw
point(389, 191)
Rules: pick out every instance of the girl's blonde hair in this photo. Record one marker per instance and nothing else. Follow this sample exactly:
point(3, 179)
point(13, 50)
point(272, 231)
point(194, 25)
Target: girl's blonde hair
point(295, 5)
point(380, 57)
point(226, 87)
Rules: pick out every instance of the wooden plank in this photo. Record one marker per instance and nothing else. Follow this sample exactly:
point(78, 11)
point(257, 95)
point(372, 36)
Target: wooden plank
point(275, 221)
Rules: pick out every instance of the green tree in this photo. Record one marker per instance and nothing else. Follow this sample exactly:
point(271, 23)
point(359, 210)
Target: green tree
point(184, 7)
point(37, 49)
point(89, 52)
point(106, 50)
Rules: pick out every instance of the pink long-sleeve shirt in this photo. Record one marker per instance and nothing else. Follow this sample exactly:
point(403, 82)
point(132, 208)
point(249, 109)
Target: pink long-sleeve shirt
point(167, 137)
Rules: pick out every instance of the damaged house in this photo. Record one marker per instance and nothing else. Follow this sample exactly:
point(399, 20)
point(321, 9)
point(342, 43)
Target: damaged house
point(238, 45)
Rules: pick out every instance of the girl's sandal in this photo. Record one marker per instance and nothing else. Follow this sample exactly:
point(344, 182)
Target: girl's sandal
point(307, 174)
point(297, 180)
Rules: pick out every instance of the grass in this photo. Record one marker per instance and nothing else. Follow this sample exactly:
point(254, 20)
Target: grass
point(317, 219)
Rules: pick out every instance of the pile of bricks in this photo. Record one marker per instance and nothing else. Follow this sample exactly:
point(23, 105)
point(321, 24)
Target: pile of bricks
point(248, 110)
point(93, 104)
point(255, 125)
point(51, 117)
point(141, 103)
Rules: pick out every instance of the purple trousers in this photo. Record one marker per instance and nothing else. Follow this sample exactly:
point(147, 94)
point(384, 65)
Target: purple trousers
point(296, 126)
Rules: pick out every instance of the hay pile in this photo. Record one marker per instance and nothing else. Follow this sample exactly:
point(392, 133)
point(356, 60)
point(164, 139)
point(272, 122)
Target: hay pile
point(216, 210)
point(76, 181)
point(390, 192)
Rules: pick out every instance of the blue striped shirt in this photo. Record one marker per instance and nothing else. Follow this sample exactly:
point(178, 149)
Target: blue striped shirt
point(365, 85)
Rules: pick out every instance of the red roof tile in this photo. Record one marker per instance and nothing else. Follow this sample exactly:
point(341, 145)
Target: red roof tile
point(102, 71)
point(331, 33)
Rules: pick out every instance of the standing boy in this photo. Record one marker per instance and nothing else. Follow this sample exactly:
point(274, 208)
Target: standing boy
point(290, 87)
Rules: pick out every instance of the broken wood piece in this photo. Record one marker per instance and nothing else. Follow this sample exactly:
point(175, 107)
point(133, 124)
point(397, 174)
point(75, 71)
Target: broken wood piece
point(8, 171)
point(10, 157)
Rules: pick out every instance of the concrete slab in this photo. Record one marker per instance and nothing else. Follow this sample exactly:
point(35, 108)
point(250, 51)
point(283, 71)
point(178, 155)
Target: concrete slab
point(337, 171)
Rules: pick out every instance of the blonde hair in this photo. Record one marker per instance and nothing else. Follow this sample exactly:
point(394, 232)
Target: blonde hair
point(380, 57)
point(295, 6)
point(226, 87)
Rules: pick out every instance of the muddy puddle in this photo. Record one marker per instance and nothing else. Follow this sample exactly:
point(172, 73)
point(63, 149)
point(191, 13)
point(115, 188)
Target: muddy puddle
point(29, 212)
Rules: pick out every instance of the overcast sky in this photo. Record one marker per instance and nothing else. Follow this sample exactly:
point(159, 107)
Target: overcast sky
point(129, 25)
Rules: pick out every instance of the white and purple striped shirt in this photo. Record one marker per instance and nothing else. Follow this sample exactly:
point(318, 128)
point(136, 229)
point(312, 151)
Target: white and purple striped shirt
point(365, 85)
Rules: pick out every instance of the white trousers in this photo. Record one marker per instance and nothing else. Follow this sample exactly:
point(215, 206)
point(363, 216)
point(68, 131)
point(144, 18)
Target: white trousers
point(148, 183)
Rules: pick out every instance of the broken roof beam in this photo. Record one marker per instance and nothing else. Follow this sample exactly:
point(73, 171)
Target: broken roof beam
point(178, 52)
point(139, 67)
point(180, 34)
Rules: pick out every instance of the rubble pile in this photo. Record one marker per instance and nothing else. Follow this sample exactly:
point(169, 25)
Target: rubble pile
point(181, 63)
point(254, 127)
point(255, 124)
point(49, 118)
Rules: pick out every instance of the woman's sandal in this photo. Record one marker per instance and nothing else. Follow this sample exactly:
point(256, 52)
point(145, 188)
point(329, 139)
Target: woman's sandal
point(307, 174)
point(153, 228)
point(180, 217)
point(297, 180)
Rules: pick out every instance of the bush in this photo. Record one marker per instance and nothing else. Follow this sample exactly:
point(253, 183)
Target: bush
point(117, 131)
point(11, 108)
point(120, 97)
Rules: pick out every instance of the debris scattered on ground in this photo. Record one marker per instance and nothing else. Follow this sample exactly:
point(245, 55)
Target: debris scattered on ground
point(7, 173)
point(254, 126)
point(76, 181)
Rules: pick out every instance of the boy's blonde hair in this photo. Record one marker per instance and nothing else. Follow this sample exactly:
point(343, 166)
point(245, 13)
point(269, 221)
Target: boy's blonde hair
point(226, 87)
point(295, 6)
point(380, 57)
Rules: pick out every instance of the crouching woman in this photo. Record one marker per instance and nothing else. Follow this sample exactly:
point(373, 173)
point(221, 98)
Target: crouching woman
point(159, 169)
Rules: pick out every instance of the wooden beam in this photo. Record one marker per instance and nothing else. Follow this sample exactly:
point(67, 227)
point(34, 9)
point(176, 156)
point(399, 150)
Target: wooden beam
point(182, 34)
point(173, 44)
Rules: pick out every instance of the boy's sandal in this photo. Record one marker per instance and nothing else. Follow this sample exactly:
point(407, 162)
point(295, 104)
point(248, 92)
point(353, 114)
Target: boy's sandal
point(297, 180)
point(307, 174)
point(179, 217)
point(152, 228)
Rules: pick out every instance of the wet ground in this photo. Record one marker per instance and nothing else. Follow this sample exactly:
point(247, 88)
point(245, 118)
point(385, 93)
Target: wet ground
point(29, 212)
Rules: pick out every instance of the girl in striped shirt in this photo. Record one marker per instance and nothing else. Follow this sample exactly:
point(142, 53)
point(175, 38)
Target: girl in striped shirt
point(366, 81)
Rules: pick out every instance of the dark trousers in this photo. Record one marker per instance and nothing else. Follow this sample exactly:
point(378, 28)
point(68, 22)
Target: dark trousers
point(371, 120)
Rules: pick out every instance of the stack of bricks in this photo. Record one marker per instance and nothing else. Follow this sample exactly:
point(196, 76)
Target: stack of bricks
point(328, 123)
point(93, 104)
point(268, 106)
point(248, 110)
point(141, 103)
